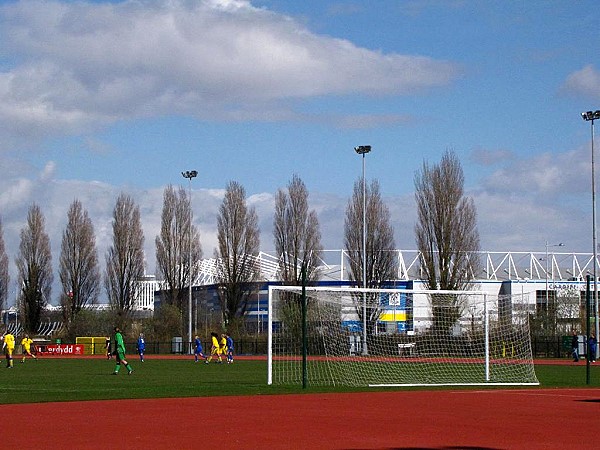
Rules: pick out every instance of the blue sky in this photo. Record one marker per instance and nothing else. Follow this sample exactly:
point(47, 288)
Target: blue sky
point(102, 97)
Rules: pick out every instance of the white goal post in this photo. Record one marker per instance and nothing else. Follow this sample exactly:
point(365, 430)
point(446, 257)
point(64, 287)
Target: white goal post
point(414, 338)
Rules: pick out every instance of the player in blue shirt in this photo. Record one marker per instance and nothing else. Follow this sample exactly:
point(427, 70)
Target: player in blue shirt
point(141, 346)
point(229, 349)
point(198, 349)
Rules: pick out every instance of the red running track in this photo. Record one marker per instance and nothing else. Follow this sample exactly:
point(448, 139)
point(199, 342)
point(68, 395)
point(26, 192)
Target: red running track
point(492, 419)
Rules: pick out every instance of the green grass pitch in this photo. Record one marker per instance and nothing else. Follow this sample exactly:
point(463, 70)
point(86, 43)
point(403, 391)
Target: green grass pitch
point(64, 379)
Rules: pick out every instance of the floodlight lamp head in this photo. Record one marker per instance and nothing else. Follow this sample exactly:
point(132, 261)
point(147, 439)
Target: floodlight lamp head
point(362, 149)
point(190, 174)
point(591, 115)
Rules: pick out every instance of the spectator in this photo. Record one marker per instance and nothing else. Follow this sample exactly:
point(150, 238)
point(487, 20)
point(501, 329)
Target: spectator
point(592, 347)
point(575, 346)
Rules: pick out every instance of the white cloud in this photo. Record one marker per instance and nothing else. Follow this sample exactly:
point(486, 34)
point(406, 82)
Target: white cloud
point(522, 222)
point(584, 82)
point(48, 172)
point(548, 175)
point(75, 64)
point(14, 192)
point(536, 199)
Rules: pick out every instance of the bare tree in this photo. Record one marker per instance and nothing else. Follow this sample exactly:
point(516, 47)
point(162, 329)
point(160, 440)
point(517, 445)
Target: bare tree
point(79, 271)
point(173, 249)
point(380, 256)
point(296, 232)
point(239, 241)
point(4, 276)
point(125, 257)
point(34, 265)
point(446, 232)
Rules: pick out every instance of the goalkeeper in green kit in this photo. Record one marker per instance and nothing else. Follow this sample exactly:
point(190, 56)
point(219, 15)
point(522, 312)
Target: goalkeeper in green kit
point(120, 353)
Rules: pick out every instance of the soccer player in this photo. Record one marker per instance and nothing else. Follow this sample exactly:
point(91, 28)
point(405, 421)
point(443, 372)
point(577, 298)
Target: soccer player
point(198, 351)
point(215, 349)
point(223, 344)
point(120, 353)
point(8, 346)
point(229, 348)
point(26, 343)
point(141, 346)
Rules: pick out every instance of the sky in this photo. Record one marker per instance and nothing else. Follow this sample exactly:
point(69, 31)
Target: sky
point(103, 97)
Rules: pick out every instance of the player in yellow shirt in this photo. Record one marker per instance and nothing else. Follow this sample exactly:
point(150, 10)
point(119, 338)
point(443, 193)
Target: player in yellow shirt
point(215, 348)
point(8, 346)
point(223, 344)
point(26, 343)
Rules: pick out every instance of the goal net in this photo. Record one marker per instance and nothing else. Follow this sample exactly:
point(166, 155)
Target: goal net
point(395, 337)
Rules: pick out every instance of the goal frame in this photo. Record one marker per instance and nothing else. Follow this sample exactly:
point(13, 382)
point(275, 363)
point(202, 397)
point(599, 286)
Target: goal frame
point(303, 290)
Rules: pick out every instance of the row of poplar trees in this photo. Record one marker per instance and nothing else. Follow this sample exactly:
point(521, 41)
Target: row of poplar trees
point(446, 235)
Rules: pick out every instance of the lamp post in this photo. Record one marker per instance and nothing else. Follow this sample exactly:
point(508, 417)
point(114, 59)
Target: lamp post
point(363, 150)
point(590, 116)
point(550, 245)
point(189, 174)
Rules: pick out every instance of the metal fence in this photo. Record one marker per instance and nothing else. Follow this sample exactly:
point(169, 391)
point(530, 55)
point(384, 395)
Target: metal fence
point(551, 347)
point(182, 347)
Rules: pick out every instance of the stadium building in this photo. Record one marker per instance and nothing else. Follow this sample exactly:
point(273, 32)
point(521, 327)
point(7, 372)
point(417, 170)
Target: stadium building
point(541, 280)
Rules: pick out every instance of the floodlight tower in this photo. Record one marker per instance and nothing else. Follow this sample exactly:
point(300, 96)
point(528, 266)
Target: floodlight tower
point(363, 150)
point(590, 116)
point(189, 174)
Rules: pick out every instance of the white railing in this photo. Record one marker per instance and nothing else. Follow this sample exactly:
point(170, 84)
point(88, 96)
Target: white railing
point(493, 266)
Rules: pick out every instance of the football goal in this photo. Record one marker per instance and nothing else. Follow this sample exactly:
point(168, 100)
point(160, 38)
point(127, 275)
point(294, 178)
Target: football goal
point(396, 337)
